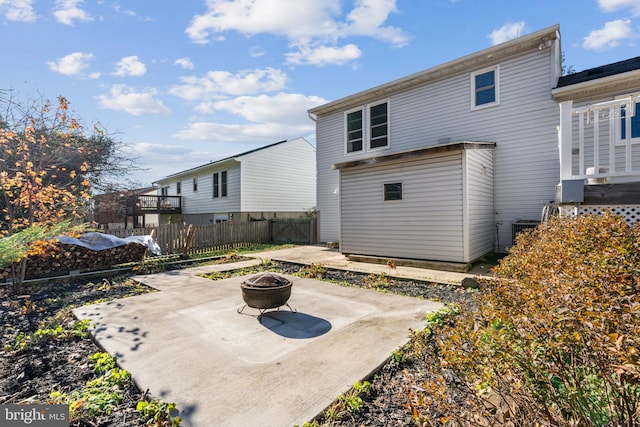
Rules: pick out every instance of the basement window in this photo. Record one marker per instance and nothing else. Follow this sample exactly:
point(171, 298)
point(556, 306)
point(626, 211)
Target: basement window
point(393, 191)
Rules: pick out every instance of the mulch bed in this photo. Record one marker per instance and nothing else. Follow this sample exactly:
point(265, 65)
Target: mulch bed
point(30, 374)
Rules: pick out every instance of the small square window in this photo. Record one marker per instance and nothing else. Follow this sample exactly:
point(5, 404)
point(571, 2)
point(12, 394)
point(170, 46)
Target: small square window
point(393, 191)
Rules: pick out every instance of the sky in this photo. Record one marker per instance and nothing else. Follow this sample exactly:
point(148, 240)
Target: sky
point(184, 82)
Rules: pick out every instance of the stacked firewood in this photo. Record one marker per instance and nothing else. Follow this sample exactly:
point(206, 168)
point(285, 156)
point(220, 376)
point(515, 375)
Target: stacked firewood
point(64, 259)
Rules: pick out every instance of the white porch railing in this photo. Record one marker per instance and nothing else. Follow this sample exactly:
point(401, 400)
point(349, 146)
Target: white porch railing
point(591, 143)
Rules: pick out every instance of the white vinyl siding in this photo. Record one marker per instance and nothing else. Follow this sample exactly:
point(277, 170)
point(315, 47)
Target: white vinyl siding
point(478, 204)
point(426, 224)
point(281, 179)
point(438, 212)
point(329, 131)
point(523, 126)
point(202, 202)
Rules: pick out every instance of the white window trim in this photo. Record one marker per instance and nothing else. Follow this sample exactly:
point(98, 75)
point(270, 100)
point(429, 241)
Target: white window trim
point(472, 79)
point(366, 128)
point(618, 128)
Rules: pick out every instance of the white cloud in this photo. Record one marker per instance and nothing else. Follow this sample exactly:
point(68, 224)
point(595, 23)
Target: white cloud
point(185, 63)
point(218, 132)
point(615, 5)
point(116, 7)
point(311, 26)
point(123, 98)
point(508, 31)
point(323, 55)
point(18, 10)
point(256, 52)
point(608, 36)
point(130, 66)
point(368, 18)
point(268, 118)
point(289, 108)
point(67, 11)
point(71, 64)
point(216, 84)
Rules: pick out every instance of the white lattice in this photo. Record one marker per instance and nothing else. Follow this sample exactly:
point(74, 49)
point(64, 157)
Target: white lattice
point(631, 213)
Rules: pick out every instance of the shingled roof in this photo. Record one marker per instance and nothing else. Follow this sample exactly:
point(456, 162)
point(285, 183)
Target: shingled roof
point(600, 72)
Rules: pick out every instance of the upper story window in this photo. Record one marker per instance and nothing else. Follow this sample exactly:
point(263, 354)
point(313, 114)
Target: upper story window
point(164, 191)
point(367, 128)
point(354, 131)
point(220, 184)
point(223, 183)
point(178, 187)
point(378, 125)
point(632, 125)
point(195, 184)
point(485, 88)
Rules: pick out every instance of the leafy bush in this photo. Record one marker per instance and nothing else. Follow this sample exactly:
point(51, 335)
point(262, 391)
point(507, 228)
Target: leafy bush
point(556, 336)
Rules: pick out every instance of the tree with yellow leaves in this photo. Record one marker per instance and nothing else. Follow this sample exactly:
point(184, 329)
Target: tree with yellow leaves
point(39, 196)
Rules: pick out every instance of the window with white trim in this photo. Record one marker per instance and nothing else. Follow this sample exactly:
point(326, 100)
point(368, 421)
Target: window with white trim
point(195, 184)
point(220, 184)
point(367, 128)
point(355, 131)
point(630, 123)
point(178, 187)
point(378, 125)
point(485, 88)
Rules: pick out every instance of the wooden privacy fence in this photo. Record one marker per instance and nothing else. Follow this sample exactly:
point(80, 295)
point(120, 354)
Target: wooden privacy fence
point(192, 239)
point(297, 230)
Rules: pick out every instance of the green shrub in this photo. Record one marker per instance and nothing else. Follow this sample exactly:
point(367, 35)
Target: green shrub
point(556, 336)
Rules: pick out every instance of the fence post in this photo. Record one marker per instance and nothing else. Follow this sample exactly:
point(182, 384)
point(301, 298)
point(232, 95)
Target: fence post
point(191, 232)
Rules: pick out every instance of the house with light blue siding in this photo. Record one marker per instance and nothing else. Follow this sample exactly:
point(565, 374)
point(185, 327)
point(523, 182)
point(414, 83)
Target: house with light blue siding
point(274, 181)
point(446, 164)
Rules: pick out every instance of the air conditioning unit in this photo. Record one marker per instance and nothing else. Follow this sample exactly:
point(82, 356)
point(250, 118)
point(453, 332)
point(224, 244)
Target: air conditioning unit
point(518, 226)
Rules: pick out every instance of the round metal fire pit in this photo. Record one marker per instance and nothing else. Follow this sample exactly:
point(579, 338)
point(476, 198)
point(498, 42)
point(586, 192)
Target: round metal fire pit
point(266, 290)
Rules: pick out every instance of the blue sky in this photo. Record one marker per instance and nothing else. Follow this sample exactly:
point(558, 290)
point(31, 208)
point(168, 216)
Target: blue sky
point(186, 82)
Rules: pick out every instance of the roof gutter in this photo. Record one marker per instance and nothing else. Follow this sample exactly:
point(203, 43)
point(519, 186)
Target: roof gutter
point(611, 85)
point(484, 58)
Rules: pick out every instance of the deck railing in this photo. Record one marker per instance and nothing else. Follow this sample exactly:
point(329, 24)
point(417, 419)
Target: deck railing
point(141, 204)
point(595, 140)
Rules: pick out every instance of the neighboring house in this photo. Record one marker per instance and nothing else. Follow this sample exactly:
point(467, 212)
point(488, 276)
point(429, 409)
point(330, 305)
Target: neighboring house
point(113, 210)
point(438, 165)
point(449, 163)
point(277, 180)
point(599, 139)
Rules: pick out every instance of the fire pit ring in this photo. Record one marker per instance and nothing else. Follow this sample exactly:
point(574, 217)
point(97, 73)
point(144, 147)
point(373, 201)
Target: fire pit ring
point(266, 291)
